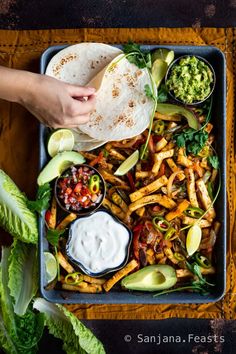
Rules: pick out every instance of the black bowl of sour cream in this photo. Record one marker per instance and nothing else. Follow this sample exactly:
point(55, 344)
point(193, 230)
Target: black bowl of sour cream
point(99, 243)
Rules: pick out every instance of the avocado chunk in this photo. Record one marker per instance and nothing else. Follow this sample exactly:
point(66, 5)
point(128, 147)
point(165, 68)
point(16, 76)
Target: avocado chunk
point(58, 164)
point(151, 278)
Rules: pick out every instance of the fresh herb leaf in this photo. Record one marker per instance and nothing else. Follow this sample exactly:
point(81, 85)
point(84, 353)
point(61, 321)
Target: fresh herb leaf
point(134, 54)
point(53, 236)
point(148, 92)
point(194, 141)
point(214, 161)
point(42, 199)
point(162, 94)
point(200, 285)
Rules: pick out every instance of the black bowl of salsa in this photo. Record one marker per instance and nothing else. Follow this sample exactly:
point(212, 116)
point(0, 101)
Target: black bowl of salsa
point(80, 189)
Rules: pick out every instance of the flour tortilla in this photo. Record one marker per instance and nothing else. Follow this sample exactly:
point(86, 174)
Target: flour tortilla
point(79, 63)
point(84, 142)
point(122, 108)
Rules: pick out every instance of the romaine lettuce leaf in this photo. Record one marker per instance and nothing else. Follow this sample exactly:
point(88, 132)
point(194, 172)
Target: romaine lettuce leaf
point(23, 275)
point(18, 334)
point(15, 217)
point(77, 338)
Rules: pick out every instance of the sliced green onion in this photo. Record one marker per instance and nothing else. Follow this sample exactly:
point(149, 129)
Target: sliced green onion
point(144, 154)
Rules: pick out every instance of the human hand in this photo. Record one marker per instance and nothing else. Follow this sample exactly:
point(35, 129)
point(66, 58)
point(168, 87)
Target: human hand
point(56, 103)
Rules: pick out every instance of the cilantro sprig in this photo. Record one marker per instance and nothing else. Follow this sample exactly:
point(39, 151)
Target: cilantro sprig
point(198, 284)
point(134, 54)
point(53, 236)
point(42, 199)
point(193, 140)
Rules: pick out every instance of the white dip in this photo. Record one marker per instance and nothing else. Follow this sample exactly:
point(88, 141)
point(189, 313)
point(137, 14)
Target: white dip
point(98, 242)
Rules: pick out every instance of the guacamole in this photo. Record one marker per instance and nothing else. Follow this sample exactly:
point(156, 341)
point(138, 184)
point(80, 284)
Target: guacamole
point(190, 80)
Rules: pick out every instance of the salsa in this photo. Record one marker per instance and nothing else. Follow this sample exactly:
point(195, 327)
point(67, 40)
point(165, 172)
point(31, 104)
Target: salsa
point(190, 80)
point(79, 188)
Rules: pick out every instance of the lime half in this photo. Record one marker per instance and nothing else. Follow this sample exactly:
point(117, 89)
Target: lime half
point(51, 266)
point(127, 164)
point(193, 239)
point(59, 141)
point(164, 54)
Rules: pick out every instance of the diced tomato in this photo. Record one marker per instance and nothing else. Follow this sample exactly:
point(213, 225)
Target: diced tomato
point(84, 191)
point(68, 191)
point(78, 187)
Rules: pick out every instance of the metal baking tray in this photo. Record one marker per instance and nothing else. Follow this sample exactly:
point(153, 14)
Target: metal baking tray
point(217, 60)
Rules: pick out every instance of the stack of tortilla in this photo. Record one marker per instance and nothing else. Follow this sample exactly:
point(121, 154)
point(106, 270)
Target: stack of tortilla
point(122, 108)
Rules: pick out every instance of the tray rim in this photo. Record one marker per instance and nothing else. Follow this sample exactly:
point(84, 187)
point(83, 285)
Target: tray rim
point(175, 298)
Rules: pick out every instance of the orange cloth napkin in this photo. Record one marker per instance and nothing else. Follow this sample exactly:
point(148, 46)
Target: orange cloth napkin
point(19, 147)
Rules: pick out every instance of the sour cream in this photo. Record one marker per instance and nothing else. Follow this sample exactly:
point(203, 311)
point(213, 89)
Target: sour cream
point(98, 242)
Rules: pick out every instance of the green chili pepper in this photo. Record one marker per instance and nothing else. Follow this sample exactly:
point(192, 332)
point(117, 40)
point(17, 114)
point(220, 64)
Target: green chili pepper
point(169, 233)
point(158, 127)
point(160, 223)
point(94, 184)
point(146, 154)
point(202, 260)
point(179, 256)
point(73, 278)
point(194, 212)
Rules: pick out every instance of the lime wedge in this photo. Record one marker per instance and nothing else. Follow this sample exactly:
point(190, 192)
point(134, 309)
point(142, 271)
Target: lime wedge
point(51, 266)
point(163, 54)
point(127, 164)
point(59, 141)
point(159, 69)
point(193, 239)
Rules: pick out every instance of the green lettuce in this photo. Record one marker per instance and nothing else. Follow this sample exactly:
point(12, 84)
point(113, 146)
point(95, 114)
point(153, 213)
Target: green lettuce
point(15, 217)
point(18, 334)
point(23, 275)
point(62, 324)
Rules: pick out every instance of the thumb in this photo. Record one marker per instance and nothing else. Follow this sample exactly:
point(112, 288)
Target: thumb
point(80, 91)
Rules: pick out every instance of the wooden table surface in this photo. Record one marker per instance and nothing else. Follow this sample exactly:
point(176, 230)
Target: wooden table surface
point(139, 337)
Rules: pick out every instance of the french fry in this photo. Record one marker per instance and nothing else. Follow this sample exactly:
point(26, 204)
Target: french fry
point(161, 144)
point(152, 199)
point(91, 289)
point(142, 174)
point(178, 211)
point(53, 217)
point(208, 128)
point(163, 260)
point(140, 211)
point(159, 157)
point(114, 208)
point(120, 274)
point(173, 118)
point(182, 273)
point(175, 168)
point(150, 188)
point(191, 187)
point(116, 198)
point(98, 281)
point(111, 178)
point(169, 146)
point(182, 159)
point(202, 223)
point(64, 263)
point(214, 175)
point(116, 155)
point(205, 199)
point(66, 221)
point(169, 254)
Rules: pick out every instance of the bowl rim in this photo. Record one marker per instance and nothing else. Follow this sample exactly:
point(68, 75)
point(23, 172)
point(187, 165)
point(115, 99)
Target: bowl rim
point(174, 62)
point(107, 270)
point(90, 210)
